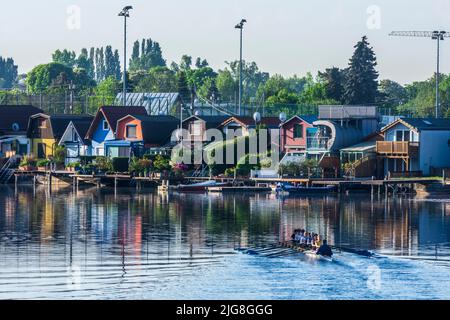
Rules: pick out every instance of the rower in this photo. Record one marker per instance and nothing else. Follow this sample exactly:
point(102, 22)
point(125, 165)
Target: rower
point(325, 250)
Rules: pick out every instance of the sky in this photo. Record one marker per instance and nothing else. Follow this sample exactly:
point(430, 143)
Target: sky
point(284, 37)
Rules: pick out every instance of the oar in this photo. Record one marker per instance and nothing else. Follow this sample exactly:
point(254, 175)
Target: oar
point(365, 253)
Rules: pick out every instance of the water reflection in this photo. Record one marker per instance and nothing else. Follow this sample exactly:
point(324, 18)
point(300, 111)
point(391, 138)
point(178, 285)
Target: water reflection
point(89, 243)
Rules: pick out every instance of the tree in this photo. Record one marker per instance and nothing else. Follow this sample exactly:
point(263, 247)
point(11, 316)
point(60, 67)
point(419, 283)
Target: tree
point(199, 63)
point(392, 94)
point(334, 80)
point(150, 56)
point(183, 87)
point(361, 86)
point(226, 85)
point(186, 63)
point(252, 78)
point(158, 79)
point(41, 77)
point(8, 72)
point(65, 57)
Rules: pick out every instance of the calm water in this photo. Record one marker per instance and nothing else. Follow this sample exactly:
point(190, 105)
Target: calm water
point(129, 245)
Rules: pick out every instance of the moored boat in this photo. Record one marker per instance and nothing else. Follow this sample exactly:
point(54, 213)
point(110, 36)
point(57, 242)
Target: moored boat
point(292, 189)
point(200, 186)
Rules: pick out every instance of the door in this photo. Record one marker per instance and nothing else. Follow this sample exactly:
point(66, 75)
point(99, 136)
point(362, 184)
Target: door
point(41, 151)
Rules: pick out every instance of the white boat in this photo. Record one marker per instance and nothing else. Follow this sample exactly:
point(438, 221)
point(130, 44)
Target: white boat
point(200, 186)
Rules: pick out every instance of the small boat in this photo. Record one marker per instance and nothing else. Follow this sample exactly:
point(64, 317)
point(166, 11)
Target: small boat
point(200, 186)
point(291, 189)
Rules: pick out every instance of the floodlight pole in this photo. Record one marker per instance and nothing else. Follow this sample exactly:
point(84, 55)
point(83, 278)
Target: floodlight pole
point(240, 26)
point(125, 13)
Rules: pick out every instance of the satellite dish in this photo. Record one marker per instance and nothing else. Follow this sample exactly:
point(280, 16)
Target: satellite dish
point(198, 113)
point(15, 127)
point(282, 117)
point(257, 117)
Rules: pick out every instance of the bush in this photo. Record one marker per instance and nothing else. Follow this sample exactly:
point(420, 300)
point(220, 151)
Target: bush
point(59, 156)
point(120, 164)
point(27, 161)
point(161, 163)
point(103, 164)
point(73, 165)
point(42, 162)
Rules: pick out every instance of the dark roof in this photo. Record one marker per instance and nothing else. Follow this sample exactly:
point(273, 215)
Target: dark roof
point(112, 114)
point(210, 121)
point(423, 123)
point(82, 126)
point(60, 122)
point(158, 129)
point(16, 114)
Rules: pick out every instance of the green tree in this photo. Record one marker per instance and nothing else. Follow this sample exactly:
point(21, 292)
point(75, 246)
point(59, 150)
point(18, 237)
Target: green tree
point(183, 87)
point(65, 57)
point(158, 79)
point(41, 77)
point(334, 81)
point(392, 94)
point(8, 73)
point(361, 85)
point(150, 56)
point(226, 85)
point(199, 63)
point(185, 63)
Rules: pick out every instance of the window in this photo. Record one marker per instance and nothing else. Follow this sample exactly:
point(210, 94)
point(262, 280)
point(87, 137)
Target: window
point(131, 131)
point(105, 125)
point(197, 128)
point(42, 123)
point(298, 131)
point(74, 136)
point(402, 135)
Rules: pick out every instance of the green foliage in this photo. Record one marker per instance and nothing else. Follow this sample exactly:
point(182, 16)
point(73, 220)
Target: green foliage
point(42, 76)
point(150, 56)
point(334, 81)
point(298, 169)
point(161, 163)
point(226, 85)
point(183, 87)
point(103, 164)
point(27, 161)
point(42, 162)
point(73, 165)
point(59, 155)
point(65, 57)
point(158, 79)
point(361, 85)
point(8, 73)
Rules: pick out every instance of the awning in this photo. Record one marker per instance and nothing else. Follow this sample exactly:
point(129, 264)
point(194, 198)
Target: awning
point(20, 140)
point(119, 143)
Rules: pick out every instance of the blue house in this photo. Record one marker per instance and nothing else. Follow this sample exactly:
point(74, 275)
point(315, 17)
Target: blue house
point(415, 144)
point(103, 128)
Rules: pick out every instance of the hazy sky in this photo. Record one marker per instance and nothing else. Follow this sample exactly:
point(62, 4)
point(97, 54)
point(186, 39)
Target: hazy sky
point(283, 36)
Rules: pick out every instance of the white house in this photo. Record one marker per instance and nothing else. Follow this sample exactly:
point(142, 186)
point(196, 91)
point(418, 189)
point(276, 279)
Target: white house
point(415, 144)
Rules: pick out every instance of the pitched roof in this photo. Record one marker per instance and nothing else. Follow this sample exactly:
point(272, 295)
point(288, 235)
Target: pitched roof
point(307, 118)
point(420, 124)
point(60, 122)
point(158, 129)
point(112, 114)
point(16, 114)
point(210, 121)
point(249, 121)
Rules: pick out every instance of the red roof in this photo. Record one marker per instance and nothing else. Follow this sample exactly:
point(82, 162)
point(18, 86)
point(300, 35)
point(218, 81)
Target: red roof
point(112, 114)
point(249, 121)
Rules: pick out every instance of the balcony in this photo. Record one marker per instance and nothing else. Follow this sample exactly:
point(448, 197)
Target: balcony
point(317, 143)
point(398, 148)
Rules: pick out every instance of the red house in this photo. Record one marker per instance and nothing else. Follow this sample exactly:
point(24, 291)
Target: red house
point(294, 133)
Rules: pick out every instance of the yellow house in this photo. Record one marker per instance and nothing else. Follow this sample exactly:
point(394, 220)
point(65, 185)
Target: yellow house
point(44, 132)
point(41, 136)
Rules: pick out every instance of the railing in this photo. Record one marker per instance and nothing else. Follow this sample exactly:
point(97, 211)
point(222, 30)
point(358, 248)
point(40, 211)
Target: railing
point(397, 148)
point(317, 143)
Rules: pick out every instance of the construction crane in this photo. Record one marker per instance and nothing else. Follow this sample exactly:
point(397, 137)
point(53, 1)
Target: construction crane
point(434, 35)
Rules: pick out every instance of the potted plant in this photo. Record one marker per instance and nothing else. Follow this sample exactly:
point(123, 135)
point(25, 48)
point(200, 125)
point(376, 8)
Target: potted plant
point(27, 164)
point(103, 164)
point(72, 166)
point(59, 157)
point(145, 165)
point(42, 164)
